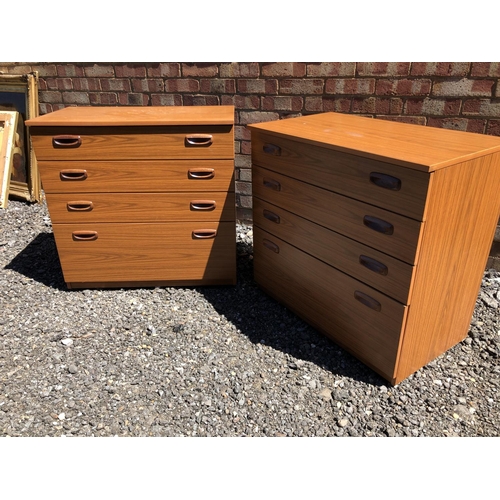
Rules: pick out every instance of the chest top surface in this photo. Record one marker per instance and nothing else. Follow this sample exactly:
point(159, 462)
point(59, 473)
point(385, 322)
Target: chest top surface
point(414, 146)
point(83, 116)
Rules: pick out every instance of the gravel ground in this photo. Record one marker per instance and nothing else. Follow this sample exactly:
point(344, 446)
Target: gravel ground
point(209, 361)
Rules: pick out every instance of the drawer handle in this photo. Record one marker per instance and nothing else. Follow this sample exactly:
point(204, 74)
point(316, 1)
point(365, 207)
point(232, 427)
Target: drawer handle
point(73, 175)
point(379, 225)
point(272, 149)
point(272, 184)
point(204, 234)
point(271, 246)
point(385, 181)
point(201, 173)
point(203, 205)
point(199, 140)
point(85, 235)
point(368, 301)
point(80, 206)
point(373, 265)
point(271, 216)
point(66, 141)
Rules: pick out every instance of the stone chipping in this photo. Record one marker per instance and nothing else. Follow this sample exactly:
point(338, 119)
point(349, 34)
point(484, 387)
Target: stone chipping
point(210, 361)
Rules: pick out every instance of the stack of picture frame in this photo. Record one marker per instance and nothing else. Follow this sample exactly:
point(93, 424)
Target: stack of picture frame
point(19, 177)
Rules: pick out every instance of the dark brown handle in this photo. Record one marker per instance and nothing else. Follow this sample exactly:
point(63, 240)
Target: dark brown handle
point(80, 206)
point(379, 225)
point(66, 141)
point(272, 184)
point(272, 149)
point(73, 175)
point(271, 246)
point(201, 173)
point(204, 234)
point(373, 265)
point(271, 216)
point(385, 181)
point(199, 140)
point(203, 205)
point(85, 235)
point(368, 301)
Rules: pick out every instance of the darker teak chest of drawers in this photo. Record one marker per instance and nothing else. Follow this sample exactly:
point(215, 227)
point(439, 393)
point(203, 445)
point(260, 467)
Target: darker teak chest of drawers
point(140, 196)
point(377, 233)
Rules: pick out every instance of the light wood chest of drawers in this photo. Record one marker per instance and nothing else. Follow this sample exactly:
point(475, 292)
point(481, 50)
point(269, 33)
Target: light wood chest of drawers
point(140, 196)
point(377, 233)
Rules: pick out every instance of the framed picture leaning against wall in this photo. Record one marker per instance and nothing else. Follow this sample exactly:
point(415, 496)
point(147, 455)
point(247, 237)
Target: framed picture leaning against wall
point(8, 127)
point(19, 93)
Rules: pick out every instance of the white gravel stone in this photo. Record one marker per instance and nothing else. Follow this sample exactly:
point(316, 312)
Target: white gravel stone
point(209, 361)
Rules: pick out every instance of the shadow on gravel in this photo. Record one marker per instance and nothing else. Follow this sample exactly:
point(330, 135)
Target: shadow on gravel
point(258, 316)
point(40, 262)
point(264, 321)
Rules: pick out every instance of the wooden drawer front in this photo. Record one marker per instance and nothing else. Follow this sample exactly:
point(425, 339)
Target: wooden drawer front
point(138, 177)
point(389, 186)
point(386, 231)
point(140, 207)
point(362, 320)
point(146, 252)
point(381, 271)
point(101, 143)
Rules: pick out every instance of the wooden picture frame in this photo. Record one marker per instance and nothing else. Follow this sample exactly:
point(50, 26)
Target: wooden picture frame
point(19, 93)
point(8, 127)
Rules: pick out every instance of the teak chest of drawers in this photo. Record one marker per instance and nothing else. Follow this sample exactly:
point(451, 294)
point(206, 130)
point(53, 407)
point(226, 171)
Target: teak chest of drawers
point(377, 233)
point(140, 196)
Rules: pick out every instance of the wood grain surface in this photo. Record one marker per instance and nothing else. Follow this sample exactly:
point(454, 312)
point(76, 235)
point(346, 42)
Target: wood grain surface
point(342, 173)
point(428, 199)
point(404, 144)
point(346, 254)
point(140, 196)
point(130, 207)
point(131, 116)
point(138, 176)
point(129, 143)
point(340, 213)
point(464, 207)
point(147, 252)
point(326, 299)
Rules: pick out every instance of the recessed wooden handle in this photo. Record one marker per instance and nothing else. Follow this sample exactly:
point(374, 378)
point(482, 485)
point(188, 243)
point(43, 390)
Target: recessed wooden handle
point(379, 225)
point(204, 234)
point(271, 149)
point(201, 173)
point(385, 181)
point(73, 174)
point(203, 205)
point(368, 301)
point(85, 235)
point(271, 246)
point(373, 265)
point(272, 184)
point(66, 141)
point(199, 140)
point(80, 206)
point(271, 216)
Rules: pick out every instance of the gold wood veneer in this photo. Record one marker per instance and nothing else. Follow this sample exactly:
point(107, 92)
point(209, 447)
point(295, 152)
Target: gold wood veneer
point(375, 232)
point(140, 196)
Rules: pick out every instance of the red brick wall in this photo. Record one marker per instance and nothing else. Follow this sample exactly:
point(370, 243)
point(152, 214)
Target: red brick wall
point(459, 95)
